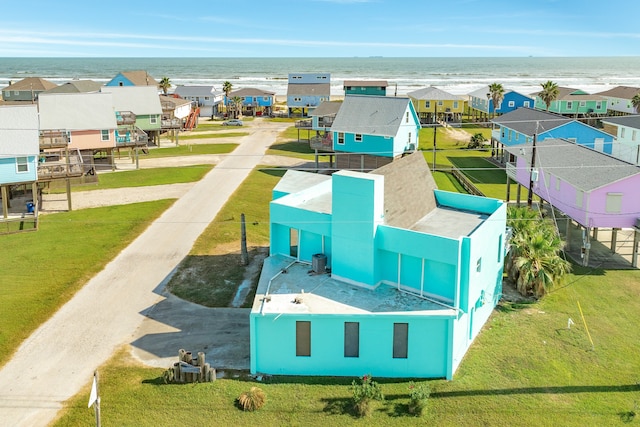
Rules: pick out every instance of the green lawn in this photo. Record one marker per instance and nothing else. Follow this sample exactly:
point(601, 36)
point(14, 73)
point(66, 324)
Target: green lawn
point(288, 144)
point(144, 177)
point(525, 368)
point(189, 150)
point(42, 270)
point(211, 135)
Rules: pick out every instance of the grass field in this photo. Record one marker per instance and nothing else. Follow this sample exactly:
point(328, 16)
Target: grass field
point(190, 150)
point(42, 270)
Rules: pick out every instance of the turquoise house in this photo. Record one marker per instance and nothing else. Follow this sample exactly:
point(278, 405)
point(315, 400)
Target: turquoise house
point(370, 131)
point(376, 273)
point(133, 78)
point(573, 102)
point(365, 87)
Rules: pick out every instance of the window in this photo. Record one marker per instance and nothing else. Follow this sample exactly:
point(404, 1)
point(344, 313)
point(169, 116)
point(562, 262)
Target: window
point(358, 137)
point(341, 138)
point(265, 98)
point(598, 105)
point(569, 105)
point(409, 139)
point(614, 203)
point(503, 132)
point(400, 340)
point(16, 92)
point(153, 120)
point(440, 103)
point(479, 265)
point(455, 104)
point(526, 104)
point(427, 104)
point(297, 99)
point(406, 118)
point(558, 182)
point(622, 132)
point(206, 98)
point(583, 103)
point(351, 339)
point(303, 338)
point(633, 135)
point(510, 134)
point(104, 135)
point(512, 104)
point(22, 164)
point(579, 198)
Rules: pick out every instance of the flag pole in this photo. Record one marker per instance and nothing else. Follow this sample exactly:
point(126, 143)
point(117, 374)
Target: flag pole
point(96, 402)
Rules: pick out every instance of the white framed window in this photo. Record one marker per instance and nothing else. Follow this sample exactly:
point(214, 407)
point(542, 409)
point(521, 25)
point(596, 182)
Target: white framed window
point(598, 105)
point(634, 134)
point(614, 203)
point(16, 92)
point(341, 138)
point(297, 99)
point(440, 103)
point(479, 265)
point(569, 105)
point(358, 137)
point(104, 135)
point(22, 164)
point(455, 104)
point(622, 132)
point(526, 104)
point(153, 120)
point(579, 198)
point(583, 103)
point(427, 104)
point(206, 98)
point(512, 104)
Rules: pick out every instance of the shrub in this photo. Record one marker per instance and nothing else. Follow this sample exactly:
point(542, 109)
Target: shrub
point(252, 400)
point(418, 398)
point(364, 393)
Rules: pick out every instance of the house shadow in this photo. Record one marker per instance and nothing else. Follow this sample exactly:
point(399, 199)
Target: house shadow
point(479, 170)
point(624, 388)
point(173, 323)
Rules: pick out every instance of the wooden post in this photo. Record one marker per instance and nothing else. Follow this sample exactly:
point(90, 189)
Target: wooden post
point(5, 201)
point(508, 188)
point(243, 242)
point(614, 239)
point(634, 253)
point(137, 158)
point(518, 194)
point(69, 194)
point(568, 234)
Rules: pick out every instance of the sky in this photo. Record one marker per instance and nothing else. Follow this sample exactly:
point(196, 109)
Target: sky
point(321, 28)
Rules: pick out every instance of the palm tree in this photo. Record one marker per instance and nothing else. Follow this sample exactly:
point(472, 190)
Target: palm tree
point(496, 92)
point(549, 93)
point(236, 101)
point(226, 88)
point(165, 84)
point(534, 261)
point(635, 101)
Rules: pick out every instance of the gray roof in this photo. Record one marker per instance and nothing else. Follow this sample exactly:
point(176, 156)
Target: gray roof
point(622, 92)
point(195, 90)
point(576, 164)
point(77, 111)
point(433, 94)
point(249, 91)
point(370, 115)
point(528, 121)
point(76, 86)
point(408, 190)
point(366, 83)
point(141, 100)
point(628, 121)
point(18, 130)
point(308, 89)
point(326, 108)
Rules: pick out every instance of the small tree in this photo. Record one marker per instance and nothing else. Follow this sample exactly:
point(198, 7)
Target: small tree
point(252, 400)
point(236, 102)
point(364, 393)
point(476, 140)
point(165, 84)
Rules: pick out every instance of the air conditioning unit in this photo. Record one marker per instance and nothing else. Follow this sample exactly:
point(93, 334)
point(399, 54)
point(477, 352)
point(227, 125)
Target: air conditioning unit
point(319, 263)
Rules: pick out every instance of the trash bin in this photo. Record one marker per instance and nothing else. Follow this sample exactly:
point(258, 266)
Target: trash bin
point(31, 207)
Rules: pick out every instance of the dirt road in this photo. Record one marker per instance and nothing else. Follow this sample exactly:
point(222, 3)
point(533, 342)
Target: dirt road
point(59, 358)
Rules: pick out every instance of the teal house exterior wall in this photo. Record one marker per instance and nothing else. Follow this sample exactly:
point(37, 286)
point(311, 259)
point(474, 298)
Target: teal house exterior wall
point(441, 287)
point(9, 170)
point(365, 90)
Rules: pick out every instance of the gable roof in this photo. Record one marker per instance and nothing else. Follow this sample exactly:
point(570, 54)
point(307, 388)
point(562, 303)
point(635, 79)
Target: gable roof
point(581, 166)
point(309, 89)
point(195, 90)
point(366, 83)
point(137, 99)
point(76, 86)
point(18, 130)
point(528, 121)
point(31, 83)
point(76, 111)
point(629, 121)
point(623, 92)
point(408, 190)
point(140, 78)
point(326, 108)
point(572, 94)
point(371, 115)
point(433, 93)
point(248, 91)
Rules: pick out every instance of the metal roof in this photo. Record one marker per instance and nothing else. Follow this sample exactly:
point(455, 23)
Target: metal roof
point(77, 111)
point(18, 130)
point(141, 100)
point(326, 108)
point(576, 164)
point(371, 115)
point(195, 90)
point(249, 91)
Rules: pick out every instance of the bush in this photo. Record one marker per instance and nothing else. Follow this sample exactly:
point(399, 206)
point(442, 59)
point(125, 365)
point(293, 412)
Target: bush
point(418, 398)
point(252, 400)
point(364, 393)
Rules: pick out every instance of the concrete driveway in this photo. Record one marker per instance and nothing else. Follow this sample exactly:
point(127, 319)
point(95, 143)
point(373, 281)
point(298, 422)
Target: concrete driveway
point(59, 358)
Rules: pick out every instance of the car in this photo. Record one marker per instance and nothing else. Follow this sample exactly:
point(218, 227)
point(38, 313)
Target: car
point(232, 122)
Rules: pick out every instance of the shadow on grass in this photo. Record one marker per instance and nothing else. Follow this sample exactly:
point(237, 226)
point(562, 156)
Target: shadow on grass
point(511, 306)
point(479, 170)
point(301, 147)
point(541, 390)
point(278, 172)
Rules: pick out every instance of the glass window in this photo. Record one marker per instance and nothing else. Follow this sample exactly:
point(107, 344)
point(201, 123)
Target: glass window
point(104, 135)
point(614, 203)
point(526, 104)
point(22, 164)
point(153, 120)
point(303, 338)
point(351, 339)
point(340, 137)
point(427, 104)
point(400, 340)
point(455, 104)
point(512, 103)
point(569, 105)
point(358, 137)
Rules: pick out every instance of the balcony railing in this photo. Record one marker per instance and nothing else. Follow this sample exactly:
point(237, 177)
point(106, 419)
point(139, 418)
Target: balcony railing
point(321, 143)
point(125, 118)
point(511, 170)
point(135, 136)
point(304, 124)
point(53, 139)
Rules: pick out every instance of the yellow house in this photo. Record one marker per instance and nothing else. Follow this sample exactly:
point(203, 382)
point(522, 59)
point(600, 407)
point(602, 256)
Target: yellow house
point(432, 103)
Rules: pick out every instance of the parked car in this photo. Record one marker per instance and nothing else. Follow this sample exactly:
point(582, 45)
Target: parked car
point(232, 122)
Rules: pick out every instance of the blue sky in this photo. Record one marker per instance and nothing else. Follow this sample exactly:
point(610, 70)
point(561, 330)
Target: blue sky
point(321, 28)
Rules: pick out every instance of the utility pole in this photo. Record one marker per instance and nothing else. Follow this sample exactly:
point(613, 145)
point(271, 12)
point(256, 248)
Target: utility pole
point(435, 130)
point(533, 165)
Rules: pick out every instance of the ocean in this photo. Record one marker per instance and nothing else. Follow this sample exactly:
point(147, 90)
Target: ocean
point(459, 76)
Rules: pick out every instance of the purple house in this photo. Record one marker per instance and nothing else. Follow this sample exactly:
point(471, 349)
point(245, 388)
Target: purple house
point(592, 188)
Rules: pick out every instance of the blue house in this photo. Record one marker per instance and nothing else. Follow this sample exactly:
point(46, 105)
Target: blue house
point(305, 91)
point(518, 127)
point(378, 273)
point(255, 102)
point(133, 78)
point(19, 149)
point(370, 131)
point(481, 104)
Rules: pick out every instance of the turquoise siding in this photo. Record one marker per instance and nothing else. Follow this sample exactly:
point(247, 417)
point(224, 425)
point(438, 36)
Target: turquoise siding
point(119, 80)
point(569, 107)
point(365, 90)
point(10, 175)
point(274, 346)
point(371, 144)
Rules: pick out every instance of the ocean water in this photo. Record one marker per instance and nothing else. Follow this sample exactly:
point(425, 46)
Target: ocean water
point(456, 75)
